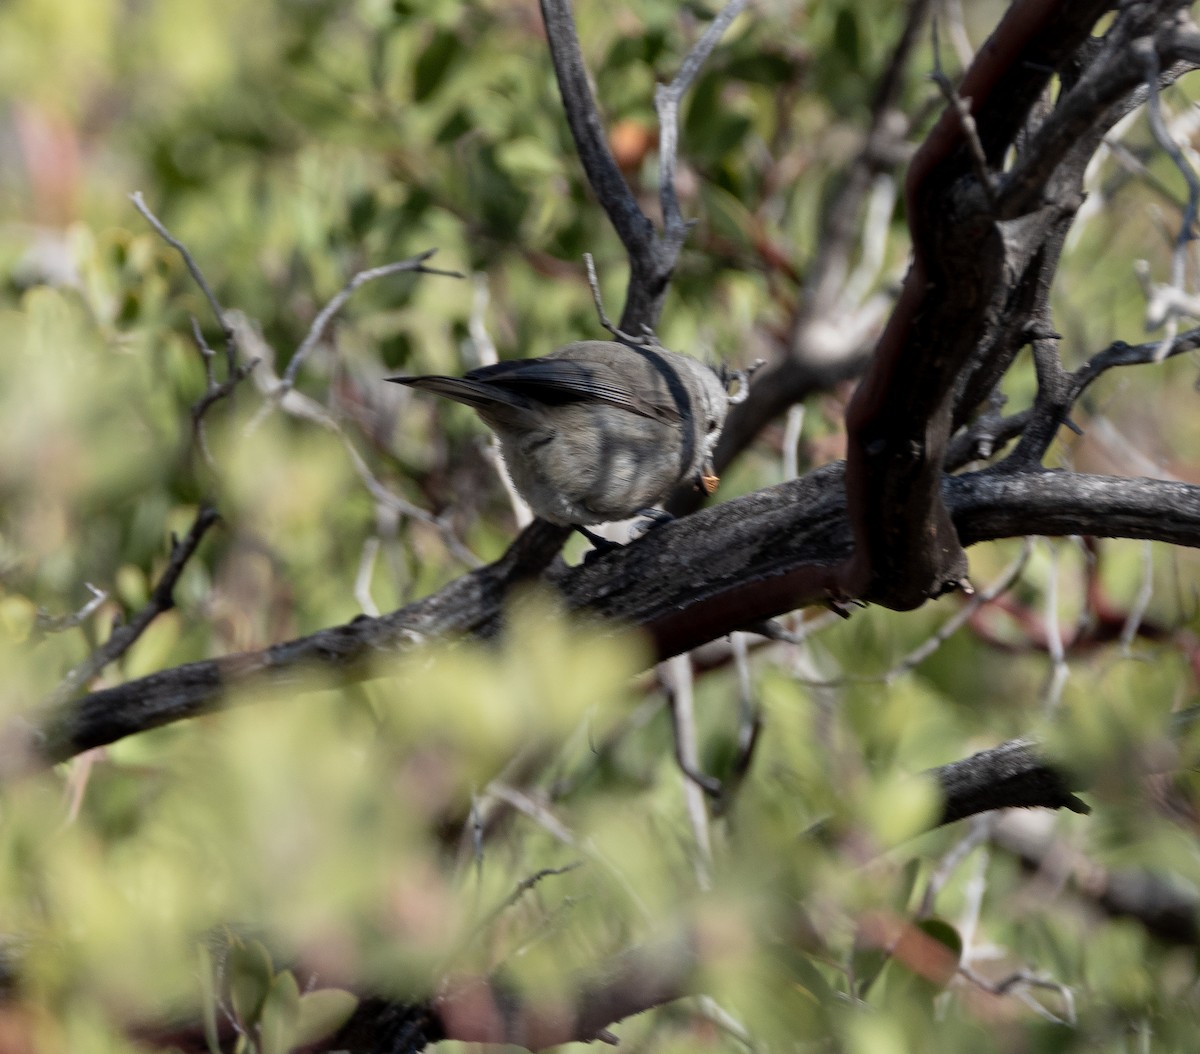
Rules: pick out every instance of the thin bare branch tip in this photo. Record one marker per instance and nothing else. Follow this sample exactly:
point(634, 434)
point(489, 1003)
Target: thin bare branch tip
point(139, 203)
point(704, 46)
point(48, 623)
point(420, 259)
point(605, 321)
point(962, 107)
point(594, 285)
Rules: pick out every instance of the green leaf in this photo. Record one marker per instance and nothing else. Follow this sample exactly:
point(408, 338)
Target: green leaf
point(847, 39)
point(280, 1015)
point(867, 964)
point(906, 883)
point(925, 970)
point(250, 973)
point(434, 63)
point(809, 980)
point(322, 1013)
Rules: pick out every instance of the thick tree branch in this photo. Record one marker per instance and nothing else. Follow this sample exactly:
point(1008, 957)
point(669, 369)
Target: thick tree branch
point(901, 417)
point(1165, 907)
point(685, 583)
point(1096, 100)
point(464, 606)
point(1010, 775)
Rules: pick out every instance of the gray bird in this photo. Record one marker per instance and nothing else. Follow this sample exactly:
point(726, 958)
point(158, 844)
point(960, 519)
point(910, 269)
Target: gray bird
point(597, 431)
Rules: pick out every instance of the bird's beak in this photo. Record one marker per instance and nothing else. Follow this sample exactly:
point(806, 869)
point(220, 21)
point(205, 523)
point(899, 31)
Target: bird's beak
point(708, 477)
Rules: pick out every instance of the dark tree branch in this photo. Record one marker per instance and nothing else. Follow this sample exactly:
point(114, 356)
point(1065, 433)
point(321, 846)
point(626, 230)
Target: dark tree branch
point(988, 435)
point(1007, 776)
point(1112, 83)
point(466, 605)
point(1026, 313)
point(1166, 909)
point(901, 417)
point(652, 257)
point(1050, 407)
point(685, 583)
point(633, 228)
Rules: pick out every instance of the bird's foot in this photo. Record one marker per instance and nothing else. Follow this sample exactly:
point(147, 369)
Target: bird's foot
point(651, 518)
point(600, 546)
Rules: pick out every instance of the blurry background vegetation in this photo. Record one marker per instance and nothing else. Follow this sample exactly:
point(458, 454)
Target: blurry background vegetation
point(290, 145)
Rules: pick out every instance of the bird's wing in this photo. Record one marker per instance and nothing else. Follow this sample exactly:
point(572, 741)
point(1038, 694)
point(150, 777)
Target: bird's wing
point(560, 380)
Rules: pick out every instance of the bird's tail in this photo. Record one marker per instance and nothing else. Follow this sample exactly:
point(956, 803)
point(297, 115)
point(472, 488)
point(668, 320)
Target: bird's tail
point(476, 394)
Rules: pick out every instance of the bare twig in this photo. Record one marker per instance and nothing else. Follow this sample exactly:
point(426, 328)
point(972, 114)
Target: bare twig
point(58, 623)
point(522, 514)
point(1018, 985)
point(299, 405)
point(523, 887)
point(486, 355)
point(681, 700)
point(277, 392)
point(234, 373)
point(952, 13)
point(481, 339)
point(540, 813)
point(750, 725)
point(975, 888)
point(1148, 54)
point(139, 203)
point(415, 265)
point(977, 835)
point(791, 441)
point(992, 431)
point(362, 581)
point(214, 391)
point(943, 633)
point(1059, 670)
point(597, 299)
point(1141, 601)
point(951, 626)
point(962, 108)
point(666, 103)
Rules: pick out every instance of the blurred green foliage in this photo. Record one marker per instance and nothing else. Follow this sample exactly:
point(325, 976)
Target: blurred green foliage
point(200, 869)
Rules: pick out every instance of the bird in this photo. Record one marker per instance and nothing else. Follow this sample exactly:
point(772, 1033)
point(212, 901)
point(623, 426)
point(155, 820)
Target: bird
point(598, 430)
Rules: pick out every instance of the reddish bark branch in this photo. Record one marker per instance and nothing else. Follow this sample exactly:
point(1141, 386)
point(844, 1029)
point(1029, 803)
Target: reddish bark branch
point(900, 419)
